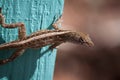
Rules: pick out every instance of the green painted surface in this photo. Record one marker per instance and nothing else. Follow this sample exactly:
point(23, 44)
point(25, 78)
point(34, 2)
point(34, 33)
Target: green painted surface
point(34, 64)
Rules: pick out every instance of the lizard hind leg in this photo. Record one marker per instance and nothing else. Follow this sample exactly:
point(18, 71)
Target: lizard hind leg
point(20, 25)
point(16, 54)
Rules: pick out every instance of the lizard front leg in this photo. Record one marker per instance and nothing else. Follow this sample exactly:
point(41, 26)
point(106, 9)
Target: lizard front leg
point(21, 27)
point(55, 45)
point(55, 25)
point(16, 54)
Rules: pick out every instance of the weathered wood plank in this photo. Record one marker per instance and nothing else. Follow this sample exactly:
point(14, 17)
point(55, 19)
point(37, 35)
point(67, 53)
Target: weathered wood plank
point(34, 64)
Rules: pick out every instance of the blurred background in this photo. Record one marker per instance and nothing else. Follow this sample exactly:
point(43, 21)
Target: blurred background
point(101, 20)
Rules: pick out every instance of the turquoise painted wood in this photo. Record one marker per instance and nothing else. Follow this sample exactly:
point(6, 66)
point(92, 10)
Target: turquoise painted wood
point(34, 64)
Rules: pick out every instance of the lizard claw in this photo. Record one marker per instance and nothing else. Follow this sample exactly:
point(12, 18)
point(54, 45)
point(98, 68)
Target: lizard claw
point(4, 61)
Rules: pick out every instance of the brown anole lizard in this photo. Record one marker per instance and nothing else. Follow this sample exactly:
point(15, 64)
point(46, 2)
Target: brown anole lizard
point(40, 38)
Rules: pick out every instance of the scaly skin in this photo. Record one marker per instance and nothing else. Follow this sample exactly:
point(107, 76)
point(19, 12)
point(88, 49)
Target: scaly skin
point(40, 38)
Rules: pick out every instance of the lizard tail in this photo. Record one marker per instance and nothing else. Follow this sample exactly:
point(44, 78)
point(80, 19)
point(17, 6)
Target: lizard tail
point(8, 46)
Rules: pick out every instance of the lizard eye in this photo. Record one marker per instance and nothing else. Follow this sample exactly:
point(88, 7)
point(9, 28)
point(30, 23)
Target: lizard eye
point(81, 40)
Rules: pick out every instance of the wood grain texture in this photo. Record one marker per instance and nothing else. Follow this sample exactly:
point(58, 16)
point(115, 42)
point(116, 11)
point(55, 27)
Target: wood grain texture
point(34, 64)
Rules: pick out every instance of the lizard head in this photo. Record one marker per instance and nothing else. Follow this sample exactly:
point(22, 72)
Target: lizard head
point(87, 40)
point(82, 38)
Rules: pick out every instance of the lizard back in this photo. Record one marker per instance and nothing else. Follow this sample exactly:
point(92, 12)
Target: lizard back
point(37, 39)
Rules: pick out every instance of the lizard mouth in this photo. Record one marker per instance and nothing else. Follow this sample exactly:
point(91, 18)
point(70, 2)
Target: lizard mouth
point(88, 44)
